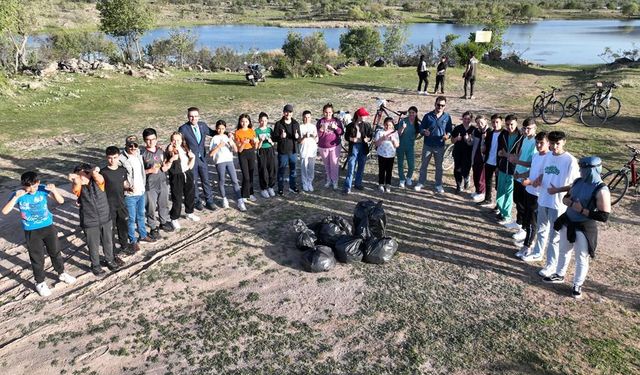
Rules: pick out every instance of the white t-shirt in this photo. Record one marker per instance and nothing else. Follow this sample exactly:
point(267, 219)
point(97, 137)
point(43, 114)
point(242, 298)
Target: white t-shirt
point(493, 153)
point(184, 158)
point(138, 181)
point(224, 154)
point(309, 145)
point(537, 166)
point(559, 170)
point(386, 148)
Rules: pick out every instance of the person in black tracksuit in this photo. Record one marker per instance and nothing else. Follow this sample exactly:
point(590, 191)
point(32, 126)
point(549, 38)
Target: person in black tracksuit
point(115, 177)
point(462, 140)
point(441, 70)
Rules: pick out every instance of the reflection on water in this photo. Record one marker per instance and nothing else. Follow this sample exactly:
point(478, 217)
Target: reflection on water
point(548, 42)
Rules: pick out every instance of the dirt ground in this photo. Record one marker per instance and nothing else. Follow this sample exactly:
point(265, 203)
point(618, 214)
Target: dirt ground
point(232, 285)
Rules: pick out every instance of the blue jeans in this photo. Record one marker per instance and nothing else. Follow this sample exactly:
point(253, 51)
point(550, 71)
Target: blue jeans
point(357, 155)
point(438, 154)
point(285, 160)
point(135, 205)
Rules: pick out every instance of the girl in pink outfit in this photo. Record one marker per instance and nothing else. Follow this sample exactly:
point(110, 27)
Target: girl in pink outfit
point(330, 129)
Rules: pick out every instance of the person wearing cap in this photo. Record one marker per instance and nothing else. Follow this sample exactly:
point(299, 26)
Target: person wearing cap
point(134, 198)
point(436, 127)
point(587, 201)
point(95, 217)
point(194, 132)
point(286, 132)
point(39, 230)
point(359, 133)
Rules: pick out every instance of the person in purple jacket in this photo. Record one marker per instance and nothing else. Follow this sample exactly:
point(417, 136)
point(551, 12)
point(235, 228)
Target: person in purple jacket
point(330, 129)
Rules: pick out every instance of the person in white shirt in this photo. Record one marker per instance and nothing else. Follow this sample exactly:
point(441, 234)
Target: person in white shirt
point(221, 151)
point(308, 150)
point(387, 141)
point(559, 171)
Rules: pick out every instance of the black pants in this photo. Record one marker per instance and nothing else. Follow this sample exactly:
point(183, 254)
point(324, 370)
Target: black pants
point(423, 77)
point(469, 82)
point(247, 159)
point(489, 174)
point(385, 170)
point(461, 169)
point(96, 236)
point(519, 200)
point(529, 218)
point(182, 191)
point(37, 240)
point(267, 167)
point(439, 84)
point(119, 217)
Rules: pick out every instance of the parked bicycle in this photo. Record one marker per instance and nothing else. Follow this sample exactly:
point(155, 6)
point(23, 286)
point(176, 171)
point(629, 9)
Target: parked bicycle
point(618, 181)
point(607, 100)
point(591, 113)
point(548, 106)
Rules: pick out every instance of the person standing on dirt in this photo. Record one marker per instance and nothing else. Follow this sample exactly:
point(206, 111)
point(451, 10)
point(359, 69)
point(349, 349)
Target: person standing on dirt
point(523, 163)
point(330, 130)
point(286, 133)
point(267, 159)
point(308, 151)
point(39, 230)
point(387, 141)
point(490, 151)
point(181, 179)
point(115, 178)
point(469, 76)
point(194, 132)
point(157, 189)
point(588, 201)
point(477, 158)
point(95, 218)
point(246, 142)
point(408, 130)
point(509, 143)
point(441, 70)
point(423, 75)
point(436, 127)
point(359, 134)
point(221, 151)
point(462, 139)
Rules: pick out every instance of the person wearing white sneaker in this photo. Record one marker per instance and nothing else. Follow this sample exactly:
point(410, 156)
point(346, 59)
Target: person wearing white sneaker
point(267, 160)
point(401, 184)
point(408, 129)
point(520, 235)
point(37, 222)
point(176, 224)
point(436, 127)
point(387, 141)
point(221, 151)
point(409, 182)
point(330, 130)
point(253, 198)
point(522, 162)
point(418, 187)
point(66, 278)
point(193, 217)
point(241, 205)
point(308, 150)
point(509, 143)
point(478, 157)
point(588, 202)
point(180, 177)
point(462, 139)
point(264, 193)
point(559, 170)
point(247, 143)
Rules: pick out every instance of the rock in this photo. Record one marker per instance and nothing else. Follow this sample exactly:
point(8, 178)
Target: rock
point(199, 67)
point(106, 66)
point(84, 65)
point(332, 70)
point(134, 73)
point(163, 71)
point(35, 85)
point(148, 66)
point(49, 70)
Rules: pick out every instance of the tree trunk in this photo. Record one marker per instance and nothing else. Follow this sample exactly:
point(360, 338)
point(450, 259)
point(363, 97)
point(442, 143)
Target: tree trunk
point(138, 49)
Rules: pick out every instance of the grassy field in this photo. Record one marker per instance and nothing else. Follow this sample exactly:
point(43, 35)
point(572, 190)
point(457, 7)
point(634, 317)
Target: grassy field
point(229, 296)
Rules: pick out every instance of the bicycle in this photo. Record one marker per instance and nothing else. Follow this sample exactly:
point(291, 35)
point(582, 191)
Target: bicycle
point(618, 181)
point(607, 100)
point(548, 106)
point(591, 113)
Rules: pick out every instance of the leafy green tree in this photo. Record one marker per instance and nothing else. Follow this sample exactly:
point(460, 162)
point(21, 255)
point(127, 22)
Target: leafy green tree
point(126, 20)
point(395, 37)
point(362, 43)
point(292, 47)
point(18, 21)
point(630, 9)
point(183, 43)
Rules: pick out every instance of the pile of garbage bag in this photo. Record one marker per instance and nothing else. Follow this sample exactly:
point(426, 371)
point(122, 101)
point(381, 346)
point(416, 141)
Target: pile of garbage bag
point(333, 238)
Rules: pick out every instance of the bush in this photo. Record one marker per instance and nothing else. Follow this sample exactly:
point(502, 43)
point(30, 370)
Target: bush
point(314, 70)
point(361, 43)
point(465, 50)
point(80, 44)
point(395, 38)
point(225, 57)
point(281, 68)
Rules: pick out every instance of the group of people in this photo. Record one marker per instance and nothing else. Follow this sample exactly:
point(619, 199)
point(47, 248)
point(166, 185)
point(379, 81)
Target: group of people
point(468, 75)
point(557, 199)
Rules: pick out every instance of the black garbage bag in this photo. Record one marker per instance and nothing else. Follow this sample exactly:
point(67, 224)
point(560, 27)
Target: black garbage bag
point(361, 212)
point(320, 259)
point(347, 249)
point(306, 240)
point(362, 230)
point(339, 221)
point(380, 251)
point(329, 234)
point(377, 221)
point(369, 219)
point(299, 226)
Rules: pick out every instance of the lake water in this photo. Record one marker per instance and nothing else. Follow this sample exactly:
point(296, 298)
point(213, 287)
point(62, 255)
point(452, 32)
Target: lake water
point(544, 42)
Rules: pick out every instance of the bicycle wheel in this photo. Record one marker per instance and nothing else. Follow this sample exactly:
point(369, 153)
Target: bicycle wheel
point(552, 113)
point(613, 107)
point(537, 106)
point(591, 116)
point(618, 184)
point(447, 161)
point(571, 105)
point(344, 154)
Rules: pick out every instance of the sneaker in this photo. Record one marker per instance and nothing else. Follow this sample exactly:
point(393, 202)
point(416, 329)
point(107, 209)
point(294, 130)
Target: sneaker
point(147, 239)
point(466, 184)
point(439, 189)
point(401, 184)
point(199, 206)
point(544, 272)
point(520, 235)
point(387, 189)
point(486, 204)
point(513, 225)
point(381, 188)
point(118, 261)
point(576, 292)
point(294, 190)
point(523, 250)
point(553, 279)
point(97, 271)
point(526, 251)
point(504, 220)
point(409, 182)
point(271, 192)
point(113, 266)
point(532, 258)
point(478, 198)
point(225, 203)
point(280, 192)
point(241, 205)
point(335, 186)
point(66, 278)
point(310, 187)
point(193, 217)
point(176, 224)
point(264, 193)
point(210, 207)
point(43, 289)
point(327, 184)
point(458, 190)
point(155, 234)
point(167, 227)
point(252, 198)
point(346, 191)
point(418, 187)
point(518, 243)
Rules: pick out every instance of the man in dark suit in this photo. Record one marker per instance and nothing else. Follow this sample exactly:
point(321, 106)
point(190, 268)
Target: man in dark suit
point(194, 133)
